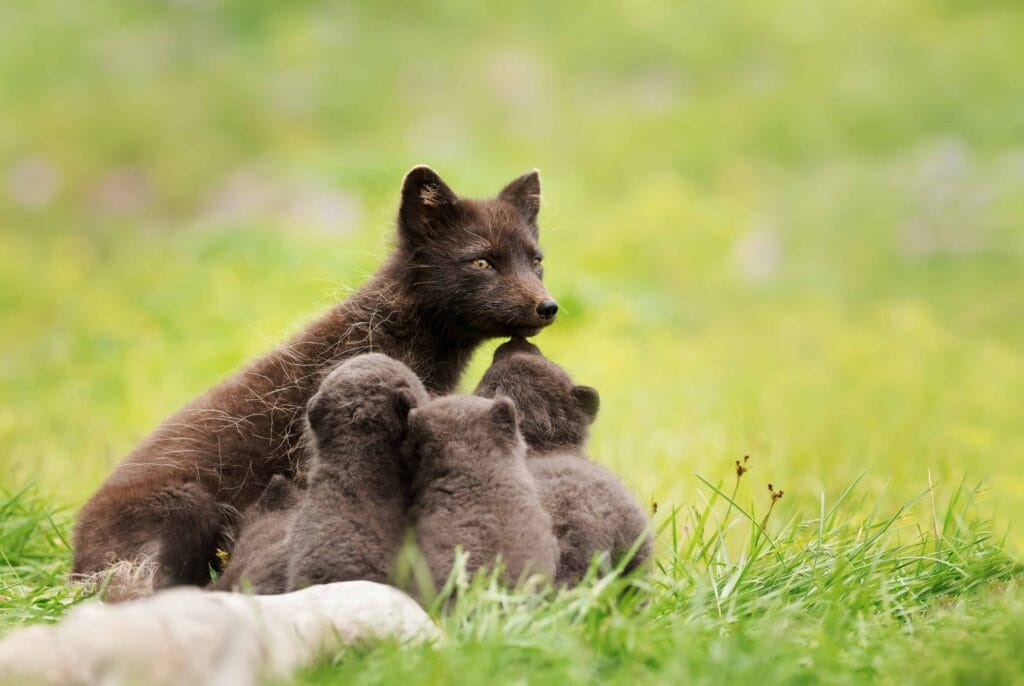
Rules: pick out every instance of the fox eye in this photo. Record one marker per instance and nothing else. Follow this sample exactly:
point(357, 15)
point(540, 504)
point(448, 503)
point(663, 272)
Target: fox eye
point(537, 261)
point(481, 263)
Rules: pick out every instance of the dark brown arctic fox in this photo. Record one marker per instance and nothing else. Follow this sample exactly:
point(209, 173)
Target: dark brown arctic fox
point(592, 511)
point(259, 556)
point(472, 489)
point(462, 271)
point(350, 521)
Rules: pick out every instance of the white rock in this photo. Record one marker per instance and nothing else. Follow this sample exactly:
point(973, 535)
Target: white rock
point(191, 636)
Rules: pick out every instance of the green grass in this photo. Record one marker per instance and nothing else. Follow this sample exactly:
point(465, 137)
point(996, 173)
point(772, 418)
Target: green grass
point(848, 594)
point(822, 599)
point(791, 230)
point(35, 558)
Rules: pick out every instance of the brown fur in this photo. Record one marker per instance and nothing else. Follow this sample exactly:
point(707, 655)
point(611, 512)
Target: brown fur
point(174, 497)
point(472, 489)
point(260, 553)
point(350, 521)
point(593, 512)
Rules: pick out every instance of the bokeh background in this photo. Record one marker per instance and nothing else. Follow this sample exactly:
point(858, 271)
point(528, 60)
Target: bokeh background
point(791, 229)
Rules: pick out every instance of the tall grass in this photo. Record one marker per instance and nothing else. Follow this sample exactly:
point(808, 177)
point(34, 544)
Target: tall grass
point(34, 559)
point(741, 588)
point(735, 596)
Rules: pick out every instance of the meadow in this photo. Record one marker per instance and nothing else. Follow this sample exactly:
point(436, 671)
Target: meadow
point(788, 230)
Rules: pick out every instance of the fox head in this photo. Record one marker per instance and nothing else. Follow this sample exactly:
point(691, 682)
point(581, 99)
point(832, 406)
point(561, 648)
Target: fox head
point(464, 430)
point(554, 413)
point(367, 395)
point(476, 264)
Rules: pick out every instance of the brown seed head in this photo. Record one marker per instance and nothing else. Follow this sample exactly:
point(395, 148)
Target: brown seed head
point(742, 467)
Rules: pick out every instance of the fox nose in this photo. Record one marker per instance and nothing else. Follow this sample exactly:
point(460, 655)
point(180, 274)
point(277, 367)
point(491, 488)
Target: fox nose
point(547, 309)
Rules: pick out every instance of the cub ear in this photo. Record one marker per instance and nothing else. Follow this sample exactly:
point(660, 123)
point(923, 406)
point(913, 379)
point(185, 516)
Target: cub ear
point(503, 415)
point(427, 202)
point(405, 401)
point(524, 194)
point(316, 411)
point(587, 399)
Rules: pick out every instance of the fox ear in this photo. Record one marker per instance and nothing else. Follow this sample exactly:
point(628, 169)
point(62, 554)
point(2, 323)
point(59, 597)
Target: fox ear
point(587, 399)
point(503, 415)
point(426, 202)
point(405, 401)
point(316, 411)
point(524, 194)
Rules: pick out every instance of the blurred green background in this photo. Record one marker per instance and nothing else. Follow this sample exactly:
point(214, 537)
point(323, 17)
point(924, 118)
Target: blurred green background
point(787, 229)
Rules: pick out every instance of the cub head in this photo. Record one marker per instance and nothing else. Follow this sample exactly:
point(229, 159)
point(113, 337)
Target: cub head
point(464, 427)
point(554, 413)
point(367, 395)
point(477, 264)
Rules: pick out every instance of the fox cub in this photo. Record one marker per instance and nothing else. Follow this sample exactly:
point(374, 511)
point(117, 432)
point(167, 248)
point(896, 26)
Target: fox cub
point(592, 511)
point(472, 489)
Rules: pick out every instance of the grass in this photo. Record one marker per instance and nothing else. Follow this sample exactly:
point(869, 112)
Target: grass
point(848, 594)
point(775, 229)
point(738, 599)
point(35, 555)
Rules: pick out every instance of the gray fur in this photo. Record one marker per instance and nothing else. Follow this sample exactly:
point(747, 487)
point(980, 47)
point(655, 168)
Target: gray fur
point(592, 511)
point(350, 521)
point(472, 489)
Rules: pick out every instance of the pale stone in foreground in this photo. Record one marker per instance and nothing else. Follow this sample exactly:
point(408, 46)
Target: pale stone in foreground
point(191, 636)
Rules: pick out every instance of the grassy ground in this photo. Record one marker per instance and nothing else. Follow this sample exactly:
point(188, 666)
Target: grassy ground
point(787, 230)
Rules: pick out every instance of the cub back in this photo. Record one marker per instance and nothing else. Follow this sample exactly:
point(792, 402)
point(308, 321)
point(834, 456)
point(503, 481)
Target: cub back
point(473, 490)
